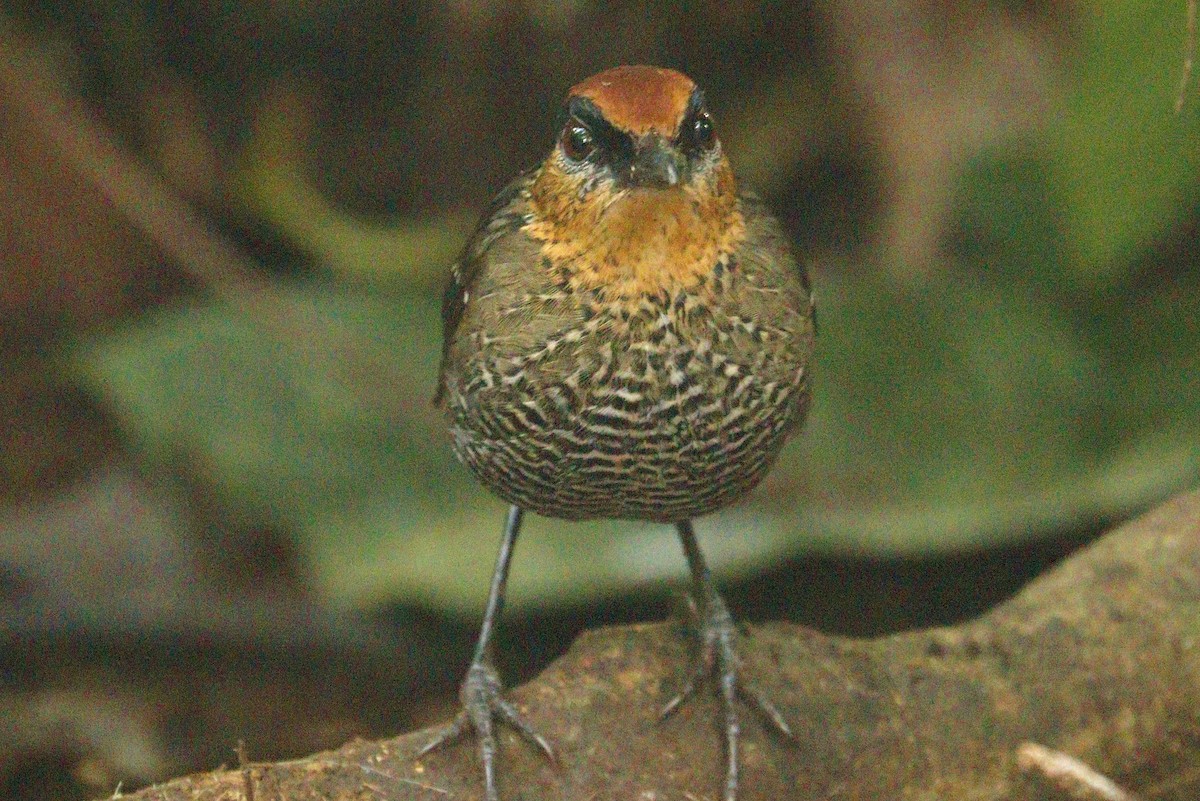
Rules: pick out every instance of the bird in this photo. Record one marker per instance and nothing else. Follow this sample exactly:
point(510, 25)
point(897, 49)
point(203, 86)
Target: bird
point(626, 336)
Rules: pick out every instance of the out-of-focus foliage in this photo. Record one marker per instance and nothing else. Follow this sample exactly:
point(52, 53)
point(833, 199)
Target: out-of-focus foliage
point(1123, 164)
point(970, 413)
point(272, 186)
point(1041, 379)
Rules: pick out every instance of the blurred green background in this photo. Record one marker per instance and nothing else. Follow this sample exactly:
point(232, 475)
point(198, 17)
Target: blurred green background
point(229, 508)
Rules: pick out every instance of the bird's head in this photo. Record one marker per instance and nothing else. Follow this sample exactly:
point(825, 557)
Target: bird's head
point(638, 128)
point(636, 180)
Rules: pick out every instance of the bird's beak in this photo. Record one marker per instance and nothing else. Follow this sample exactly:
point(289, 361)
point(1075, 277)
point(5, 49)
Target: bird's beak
point(655, 165)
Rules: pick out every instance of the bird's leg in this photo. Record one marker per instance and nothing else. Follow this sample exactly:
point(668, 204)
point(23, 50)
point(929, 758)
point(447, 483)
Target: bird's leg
point(718, 658)
point(481, 693)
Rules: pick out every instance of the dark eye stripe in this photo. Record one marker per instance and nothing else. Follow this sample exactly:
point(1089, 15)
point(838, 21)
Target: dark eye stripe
point(616, 144)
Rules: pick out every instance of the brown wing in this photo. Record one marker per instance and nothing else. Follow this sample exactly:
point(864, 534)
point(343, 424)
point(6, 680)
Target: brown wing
point(753, 206)
point(505, 214)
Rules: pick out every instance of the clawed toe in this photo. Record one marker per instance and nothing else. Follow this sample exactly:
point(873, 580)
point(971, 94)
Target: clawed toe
point(508, 713)
point(699, 674)
point(449, 733)
point(768, 710)
point(484, 705)
point(717, 660)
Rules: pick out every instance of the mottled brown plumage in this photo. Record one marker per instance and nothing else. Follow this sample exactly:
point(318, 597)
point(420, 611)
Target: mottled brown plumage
point(625, 336)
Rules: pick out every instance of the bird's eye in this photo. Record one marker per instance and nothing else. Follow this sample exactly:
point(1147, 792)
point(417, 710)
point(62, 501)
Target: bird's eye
point(577, 142)
point(702, 131)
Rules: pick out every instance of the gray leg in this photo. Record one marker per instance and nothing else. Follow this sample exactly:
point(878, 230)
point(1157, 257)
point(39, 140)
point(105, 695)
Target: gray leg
point(482, 691)
point(718, 658)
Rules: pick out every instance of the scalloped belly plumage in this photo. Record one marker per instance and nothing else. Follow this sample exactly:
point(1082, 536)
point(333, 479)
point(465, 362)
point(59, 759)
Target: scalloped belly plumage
point(659, 427)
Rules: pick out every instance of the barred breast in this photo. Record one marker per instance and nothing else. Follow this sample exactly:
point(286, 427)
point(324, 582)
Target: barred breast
point(660, 408)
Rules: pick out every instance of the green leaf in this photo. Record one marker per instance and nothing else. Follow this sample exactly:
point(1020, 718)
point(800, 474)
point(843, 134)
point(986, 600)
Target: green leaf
point(1123, 160)
point(308, 403)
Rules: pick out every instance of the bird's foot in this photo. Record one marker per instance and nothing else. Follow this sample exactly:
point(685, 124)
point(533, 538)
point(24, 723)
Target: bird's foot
point(717, 658)
point(483, 704)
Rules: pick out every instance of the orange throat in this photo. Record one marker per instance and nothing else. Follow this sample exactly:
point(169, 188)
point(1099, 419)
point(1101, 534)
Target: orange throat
point(637, 242)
